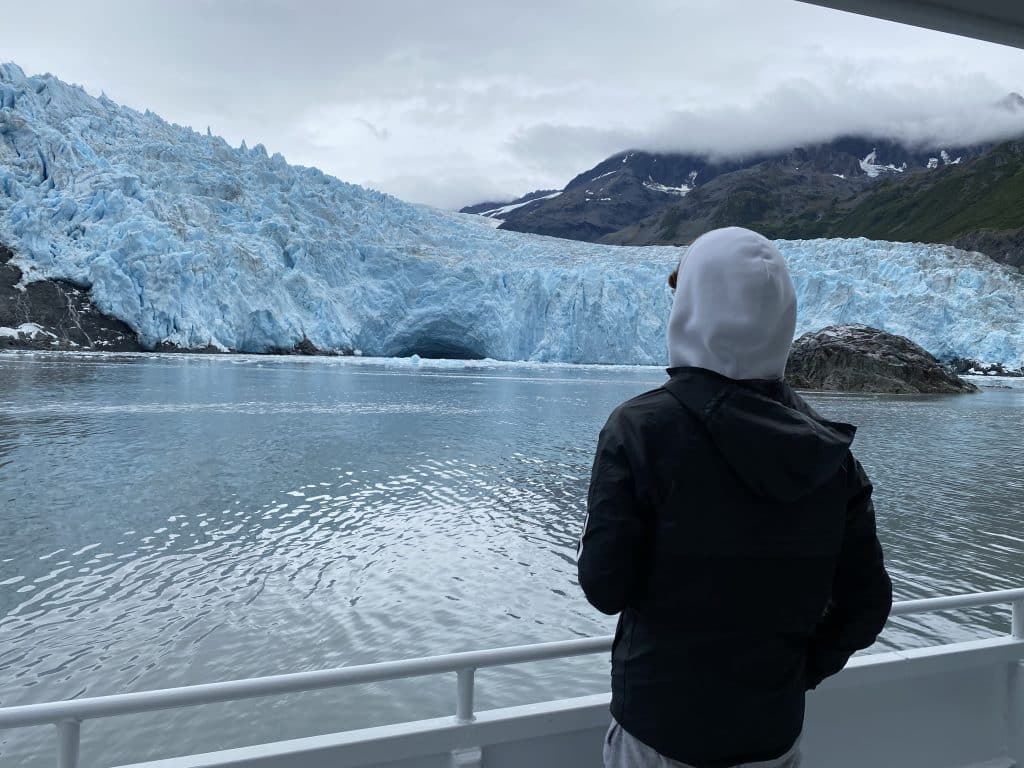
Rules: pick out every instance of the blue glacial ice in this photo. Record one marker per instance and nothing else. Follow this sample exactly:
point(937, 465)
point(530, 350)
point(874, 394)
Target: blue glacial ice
point(191, 241)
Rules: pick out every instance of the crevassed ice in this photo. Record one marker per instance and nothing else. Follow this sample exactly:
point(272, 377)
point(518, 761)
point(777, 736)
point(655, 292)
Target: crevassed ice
point(192, 241)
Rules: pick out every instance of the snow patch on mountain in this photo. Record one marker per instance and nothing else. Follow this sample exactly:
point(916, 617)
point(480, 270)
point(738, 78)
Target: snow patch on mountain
point(946, 160)
point(199, 244)
point(30, 330)
point(681, 191)
point(496, 213)
point(873, 168)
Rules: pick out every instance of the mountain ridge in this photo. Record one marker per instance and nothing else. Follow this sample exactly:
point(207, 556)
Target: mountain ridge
point(833, 189)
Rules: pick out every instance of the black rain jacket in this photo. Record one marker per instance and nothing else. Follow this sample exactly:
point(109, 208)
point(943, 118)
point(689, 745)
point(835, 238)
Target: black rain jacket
point(734, 531)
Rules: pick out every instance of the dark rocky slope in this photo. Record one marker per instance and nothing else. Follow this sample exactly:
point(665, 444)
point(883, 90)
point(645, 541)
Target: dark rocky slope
point(635, 185)
point(856, 358)
point(55, 315)
point(780, 199)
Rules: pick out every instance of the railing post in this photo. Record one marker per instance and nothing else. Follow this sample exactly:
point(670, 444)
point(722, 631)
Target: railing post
point(464, 705)
point(68, 733)
point(1015, 709)
point(1017, 630)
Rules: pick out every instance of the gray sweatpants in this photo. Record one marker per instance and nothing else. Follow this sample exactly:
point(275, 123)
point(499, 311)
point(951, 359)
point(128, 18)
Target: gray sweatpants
point(621, 750)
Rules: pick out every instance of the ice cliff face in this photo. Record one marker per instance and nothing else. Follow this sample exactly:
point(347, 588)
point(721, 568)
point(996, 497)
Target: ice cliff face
point(193, 242)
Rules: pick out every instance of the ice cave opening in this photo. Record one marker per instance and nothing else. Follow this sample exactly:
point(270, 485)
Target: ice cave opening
point(438, 339)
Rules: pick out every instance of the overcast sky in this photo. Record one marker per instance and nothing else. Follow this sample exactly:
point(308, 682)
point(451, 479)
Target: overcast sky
point(450, 102)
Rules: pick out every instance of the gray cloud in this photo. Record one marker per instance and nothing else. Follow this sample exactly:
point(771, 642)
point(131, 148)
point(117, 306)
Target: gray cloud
point(795, 113)
point(451, 101)
point(802, 112)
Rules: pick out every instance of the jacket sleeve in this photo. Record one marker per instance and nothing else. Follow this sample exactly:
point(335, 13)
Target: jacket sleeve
point(861, 589)
point(612, 547)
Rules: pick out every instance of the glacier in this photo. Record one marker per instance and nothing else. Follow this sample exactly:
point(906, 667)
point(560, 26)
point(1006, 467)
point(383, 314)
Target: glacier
point(196, 243)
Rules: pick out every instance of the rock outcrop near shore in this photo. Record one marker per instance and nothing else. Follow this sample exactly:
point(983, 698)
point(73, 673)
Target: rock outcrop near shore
point(55, 315)
point(857, 358)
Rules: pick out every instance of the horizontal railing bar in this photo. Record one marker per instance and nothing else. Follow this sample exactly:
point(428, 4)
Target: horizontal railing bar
point(296, 682)
point(211, 693)
point(933, 604)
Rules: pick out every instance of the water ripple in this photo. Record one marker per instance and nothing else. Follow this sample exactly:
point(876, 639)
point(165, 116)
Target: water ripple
point(212, 520)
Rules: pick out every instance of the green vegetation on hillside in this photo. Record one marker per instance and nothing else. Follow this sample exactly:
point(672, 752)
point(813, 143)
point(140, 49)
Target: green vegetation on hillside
point(987, 194)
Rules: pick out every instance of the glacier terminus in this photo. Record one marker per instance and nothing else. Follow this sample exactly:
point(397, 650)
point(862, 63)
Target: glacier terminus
point(198, 244)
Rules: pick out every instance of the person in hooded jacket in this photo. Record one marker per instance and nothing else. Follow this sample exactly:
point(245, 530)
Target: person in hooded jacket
point(730, 527)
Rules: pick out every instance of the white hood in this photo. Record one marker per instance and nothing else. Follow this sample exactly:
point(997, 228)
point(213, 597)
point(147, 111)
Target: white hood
point(734, 311)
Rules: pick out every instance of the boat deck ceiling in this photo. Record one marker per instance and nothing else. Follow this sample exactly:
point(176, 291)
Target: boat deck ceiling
point(997, 21)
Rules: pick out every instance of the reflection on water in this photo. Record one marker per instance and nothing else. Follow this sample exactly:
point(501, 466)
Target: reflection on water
point(172, 520)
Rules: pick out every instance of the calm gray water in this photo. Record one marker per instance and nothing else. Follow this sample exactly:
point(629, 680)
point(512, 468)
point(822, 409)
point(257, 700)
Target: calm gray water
point(169, 520)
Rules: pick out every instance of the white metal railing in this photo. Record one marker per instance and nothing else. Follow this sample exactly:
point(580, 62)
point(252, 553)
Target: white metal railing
point(68, 716)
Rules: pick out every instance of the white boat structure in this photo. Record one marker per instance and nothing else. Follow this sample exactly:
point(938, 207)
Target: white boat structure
point(948, 706)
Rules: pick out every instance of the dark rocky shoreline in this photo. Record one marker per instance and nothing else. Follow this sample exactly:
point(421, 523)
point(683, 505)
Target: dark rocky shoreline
point(965, 367)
